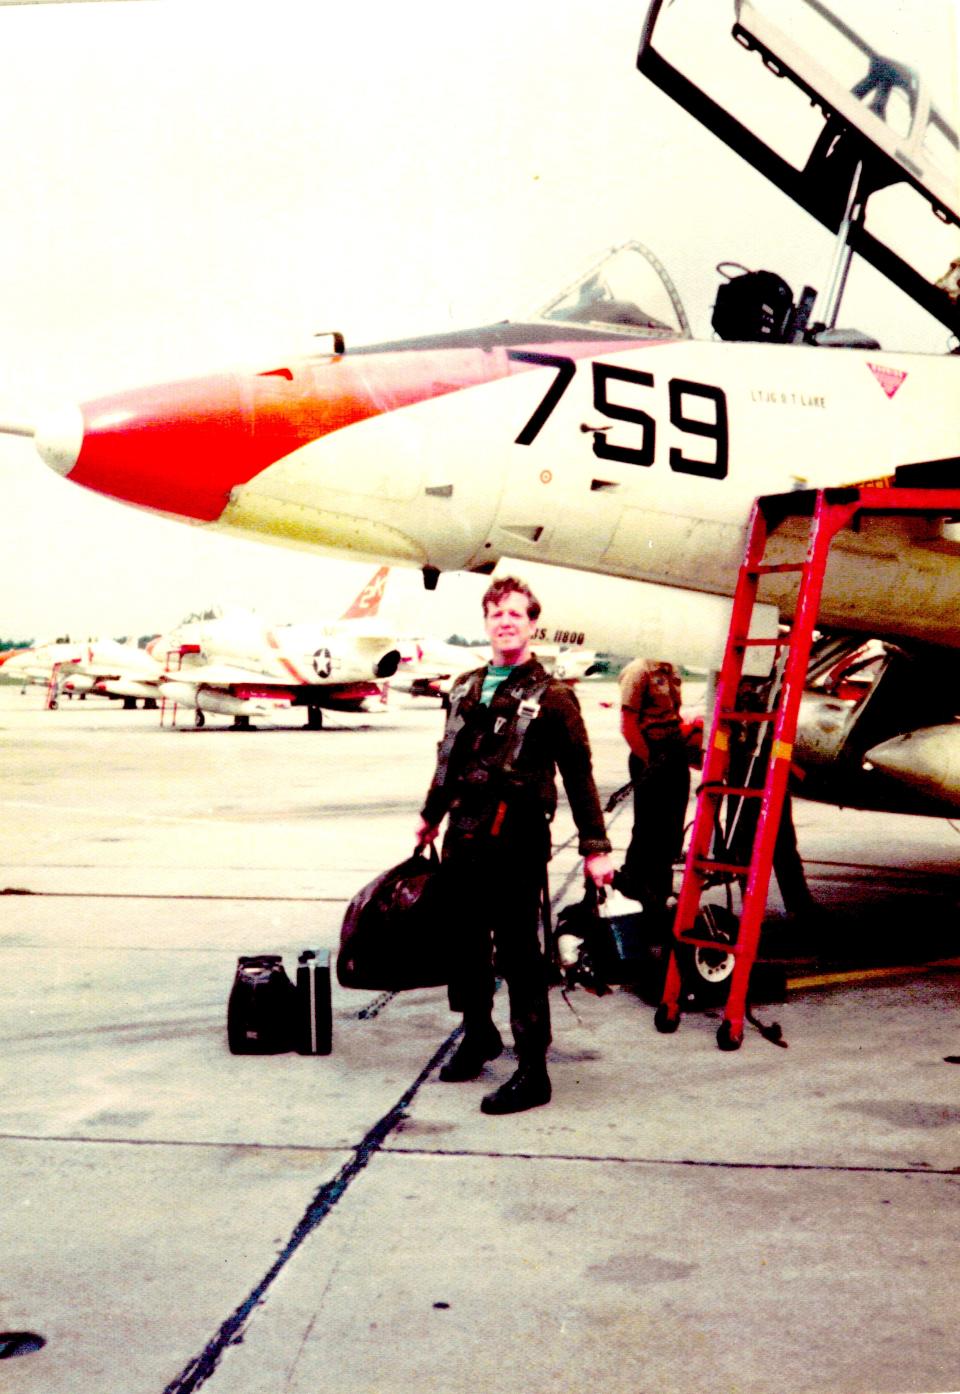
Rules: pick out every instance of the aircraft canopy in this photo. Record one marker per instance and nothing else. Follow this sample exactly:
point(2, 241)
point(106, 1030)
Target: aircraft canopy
point(628, 291)
point(851, 128)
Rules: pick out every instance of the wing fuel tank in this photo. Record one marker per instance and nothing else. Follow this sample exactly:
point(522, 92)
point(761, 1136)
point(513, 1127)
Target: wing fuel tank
point(926, 761)
point(225, 703)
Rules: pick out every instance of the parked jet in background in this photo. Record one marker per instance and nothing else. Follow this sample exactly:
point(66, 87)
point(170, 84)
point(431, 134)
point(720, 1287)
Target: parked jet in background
point(76, 668)
point(241, 667)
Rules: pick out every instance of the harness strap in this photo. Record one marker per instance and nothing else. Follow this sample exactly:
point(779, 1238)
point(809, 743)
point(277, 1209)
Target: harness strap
point(455, 723)
point(528, 709)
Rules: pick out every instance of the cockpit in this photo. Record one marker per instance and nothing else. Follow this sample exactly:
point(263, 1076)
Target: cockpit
point(628, 291)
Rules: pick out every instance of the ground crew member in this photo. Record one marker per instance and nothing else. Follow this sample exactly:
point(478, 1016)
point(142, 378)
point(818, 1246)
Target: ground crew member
point(660, 774)
point(753, 695)
point(509, 728)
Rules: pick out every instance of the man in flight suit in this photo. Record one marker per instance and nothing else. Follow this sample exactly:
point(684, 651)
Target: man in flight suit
point(660, 774)
point(509, 728)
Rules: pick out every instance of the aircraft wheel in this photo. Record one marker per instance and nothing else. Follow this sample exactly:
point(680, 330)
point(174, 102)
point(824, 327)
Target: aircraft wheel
point(706, 972)
point(241, 723)
point(314, 718)
point(199, 720)
point(665, 1023)
point(53, 704)
point(726, 1040)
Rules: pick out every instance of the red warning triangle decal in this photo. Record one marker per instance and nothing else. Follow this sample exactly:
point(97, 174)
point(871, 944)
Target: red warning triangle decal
point(890, 379)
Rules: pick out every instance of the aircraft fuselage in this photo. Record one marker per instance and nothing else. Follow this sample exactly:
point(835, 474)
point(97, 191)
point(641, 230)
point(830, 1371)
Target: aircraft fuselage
point(637, 457)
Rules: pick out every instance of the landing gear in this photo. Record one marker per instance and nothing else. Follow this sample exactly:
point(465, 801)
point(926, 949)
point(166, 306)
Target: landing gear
point(241, 723)
point(314, 718)
point(199, 720)
point(706, 971)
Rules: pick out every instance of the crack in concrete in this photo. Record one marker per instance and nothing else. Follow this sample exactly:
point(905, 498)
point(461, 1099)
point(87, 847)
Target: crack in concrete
point(199, 1370)
point(718, 1163)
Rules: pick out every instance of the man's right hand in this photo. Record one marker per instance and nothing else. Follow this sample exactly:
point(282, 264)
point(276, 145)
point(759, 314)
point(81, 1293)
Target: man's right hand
point(426, 832)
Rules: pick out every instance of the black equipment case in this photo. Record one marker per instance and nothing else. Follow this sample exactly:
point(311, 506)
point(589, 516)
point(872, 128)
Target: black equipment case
point(313, 1021)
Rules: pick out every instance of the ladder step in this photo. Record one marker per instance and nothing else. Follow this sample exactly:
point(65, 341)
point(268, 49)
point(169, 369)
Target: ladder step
point(781, 642)
point(770, 568)
point(705, 865)
point(746, 716)
point(717, 789)
point(697, 942)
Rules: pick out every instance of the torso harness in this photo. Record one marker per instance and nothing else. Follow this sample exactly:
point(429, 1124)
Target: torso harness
point(502, 763)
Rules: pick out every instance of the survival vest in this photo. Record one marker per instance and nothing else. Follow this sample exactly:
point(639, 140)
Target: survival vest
point(492, 775)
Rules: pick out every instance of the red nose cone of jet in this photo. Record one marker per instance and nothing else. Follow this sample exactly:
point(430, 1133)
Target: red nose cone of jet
point(58, 439)
point(179, 448)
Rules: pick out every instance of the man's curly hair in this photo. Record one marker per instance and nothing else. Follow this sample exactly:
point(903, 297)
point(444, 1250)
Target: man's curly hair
point(504, 585)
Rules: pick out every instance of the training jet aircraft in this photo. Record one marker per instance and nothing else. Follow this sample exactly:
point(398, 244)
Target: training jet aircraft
point(78, 668)
point(238, 666)
point(599, 434)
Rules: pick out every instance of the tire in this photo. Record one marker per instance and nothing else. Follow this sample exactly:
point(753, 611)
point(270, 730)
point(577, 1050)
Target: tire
point(706, 973)
point(314, 718)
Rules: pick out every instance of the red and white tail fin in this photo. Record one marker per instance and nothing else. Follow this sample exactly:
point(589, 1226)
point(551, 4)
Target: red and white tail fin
point(367, 602)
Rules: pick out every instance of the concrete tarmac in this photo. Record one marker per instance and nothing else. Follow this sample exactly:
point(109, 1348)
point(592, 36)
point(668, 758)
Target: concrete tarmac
point(677, 1219)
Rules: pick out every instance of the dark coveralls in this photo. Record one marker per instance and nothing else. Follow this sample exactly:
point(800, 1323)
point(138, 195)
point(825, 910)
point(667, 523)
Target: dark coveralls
point(661, 782)
point(497, 845)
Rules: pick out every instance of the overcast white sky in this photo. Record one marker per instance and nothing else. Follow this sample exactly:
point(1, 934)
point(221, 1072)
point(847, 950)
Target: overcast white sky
point(188, 186)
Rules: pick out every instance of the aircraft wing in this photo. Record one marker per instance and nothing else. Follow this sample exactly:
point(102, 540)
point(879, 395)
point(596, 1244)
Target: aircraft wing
point(224, 675)
point(869, 559)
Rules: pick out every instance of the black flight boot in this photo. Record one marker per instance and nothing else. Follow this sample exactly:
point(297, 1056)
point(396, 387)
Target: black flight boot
point(467, 1061)
point(527, 1088)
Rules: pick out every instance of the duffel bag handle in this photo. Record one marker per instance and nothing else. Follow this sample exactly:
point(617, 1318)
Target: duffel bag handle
point(428, 852)
point(593, 895)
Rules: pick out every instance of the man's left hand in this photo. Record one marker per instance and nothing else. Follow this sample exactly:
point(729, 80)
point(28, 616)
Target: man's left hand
point(599, 868)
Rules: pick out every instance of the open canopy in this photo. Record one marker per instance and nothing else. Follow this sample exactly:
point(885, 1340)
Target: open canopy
point(860, 131)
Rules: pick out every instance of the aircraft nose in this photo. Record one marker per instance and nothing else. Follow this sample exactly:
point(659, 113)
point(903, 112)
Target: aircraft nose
point(58, 438)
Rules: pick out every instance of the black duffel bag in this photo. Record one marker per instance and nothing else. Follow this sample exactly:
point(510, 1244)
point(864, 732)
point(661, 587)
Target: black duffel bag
point(394, 935)
point(261, 1011)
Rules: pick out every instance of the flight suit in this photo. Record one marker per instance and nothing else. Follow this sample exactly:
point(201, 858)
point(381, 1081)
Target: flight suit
point(497, 843)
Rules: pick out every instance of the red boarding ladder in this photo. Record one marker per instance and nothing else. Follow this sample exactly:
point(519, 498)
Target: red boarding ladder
point(53, 688)
point(168, 667)
point(830, 510)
